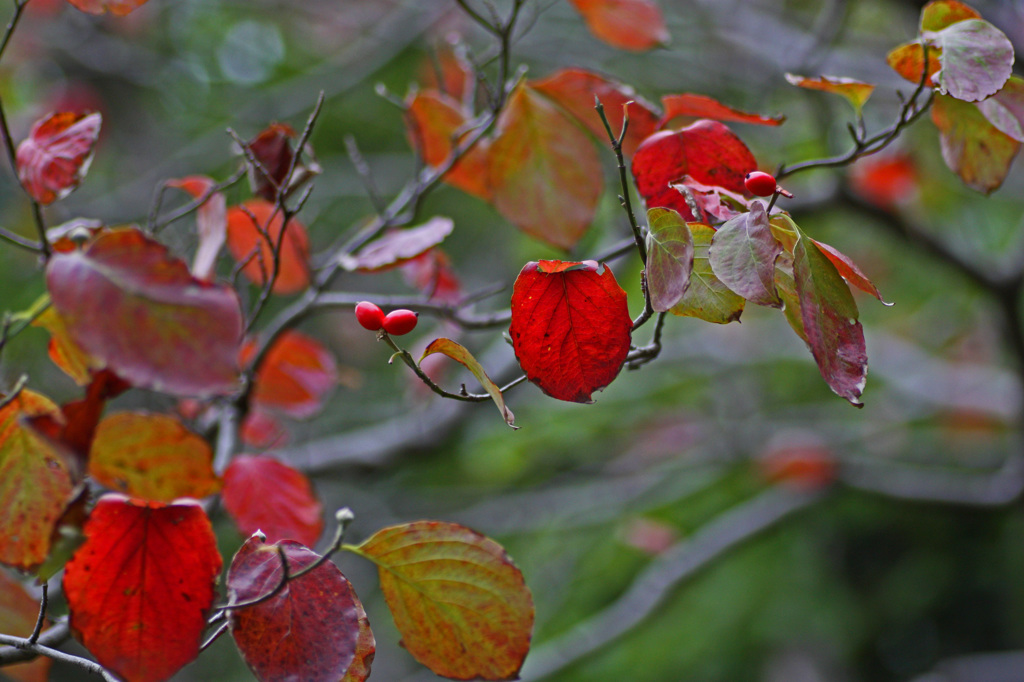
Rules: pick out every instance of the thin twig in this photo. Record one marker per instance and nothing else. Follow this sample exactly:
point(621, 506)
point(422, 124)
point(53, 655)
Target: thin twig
point(41, 618)
point(39, 649)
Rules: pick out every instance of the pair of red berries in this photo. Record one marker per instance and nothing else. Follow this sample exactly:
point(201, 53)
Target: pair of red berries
point(396, 323)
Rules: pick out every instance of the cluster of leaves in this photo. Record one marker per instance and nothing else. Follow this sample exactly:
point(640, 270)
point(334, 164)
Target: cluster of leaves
point(125, 313)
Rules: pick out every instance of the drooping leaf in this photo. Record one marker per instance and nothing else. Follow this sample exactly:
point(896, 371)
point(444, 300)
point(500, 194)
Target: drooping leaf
point(64, 352)
point(939, 14)
point(274, 156)
point(461, 605)
point(432, 274)
point(398, 246)
point(575, 89)
point(118, 8)
point(707, 151)
point(707, 298)
point(153, 457)
point(295, 377)
point(211, 222)
point(57, 154)
point(972, 147)
point(570, 327)
point(433, 120)
point(849, 270)
point(18, 613)
point(669, 257)
point(139, 588)
point(459, 353)
point(702, 106)
point(856, 92)
point(254, 231)
point(35, 483)
point(262, 493)
point(635, 25)
point(742, 256)
point(544, 170)
point(830, 316)
point(976, 59)
point(309, 630)
point(131, 305)
point(785, 284)
point(710, 199)
point(1005, 109)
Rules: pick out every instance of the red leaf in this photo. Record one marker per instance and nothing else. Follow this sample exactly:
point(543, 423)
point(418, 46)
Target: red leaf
point(433, 120)
point(570, 327)
point(309, 630)
point(130, 304)
point(432, 274)
point(116, 7)
point(211, 222)
point(261, 493)
point(575, 89)
point(139, 588)
point(295, 377)
point(398, 246)
point(449, 72)
point(702, 106)
point(544, 170)
point(247, 241)
point(626, 24)
point(707, 151)
point(262, 430)
point(849, 270)
point(57, 154)
point(272, 149)
point(36, 482)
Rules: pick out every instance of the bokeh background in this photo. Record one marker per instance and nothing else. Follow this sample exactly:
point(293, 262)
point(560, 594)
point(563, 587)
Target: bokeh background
point(652, 524)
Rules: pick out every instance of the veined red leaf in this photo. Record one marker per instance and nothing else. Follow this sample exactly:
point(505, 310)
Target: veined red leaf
point(36, 482)
point(211, 222)
point(432, 273)
point(18, 613)
point(309, 630)
point(742, 256)
point(635, 25)
point(139, 588)
point(856, 92)
point(64, 352)
point(153, 457)
point(433, 120)
point(131, 305)
point(460, 603)
point(398, 246)
point(570, 327)
point(1005, 109)
point(830, 315)
point(57, 153)
point(544, 170)
point(669, 257)
point(118, 8)
point(575, 89)
point(295, 377)
point(459, 353)
point(972, 147)
point(707, 151)
point(849, 270)
point(976, 58)
point(248, 243)
point(702, 106)
point(261, 493)
point(707, 298)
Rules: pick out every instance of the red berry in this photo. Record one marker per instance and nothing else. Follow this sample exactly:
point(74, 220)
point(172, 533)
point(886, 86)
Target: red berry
point(369, 315)
point(399, 322)
point(760, 184)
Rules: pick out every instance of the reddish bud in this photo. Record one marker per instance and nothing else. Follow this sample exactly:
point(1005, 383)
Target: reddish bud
point(760, 184)
point(369, 315)
point(399, 322)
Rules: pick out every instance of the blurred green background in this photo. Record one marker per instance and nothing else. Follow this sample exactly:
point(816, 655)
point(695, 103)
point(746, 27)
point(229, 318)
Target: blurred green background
point(658, 499)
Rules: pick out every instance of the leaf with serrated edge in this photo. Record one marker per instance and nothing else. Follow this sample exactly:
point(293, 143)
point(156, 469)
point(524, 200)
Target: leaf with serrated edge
point(972, 147)
point(309, 630)
point(829, 316)
point(742, 256)
point(151, 456)
point(462, 606)
point(459, 353)
point(707, 298)
point(669, 257)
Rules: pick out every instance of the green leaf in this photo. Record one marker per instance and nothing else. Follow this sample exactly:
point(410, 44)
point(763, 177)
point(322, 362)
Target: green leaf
point(669, 257)
point(743, 253)
point(972, 147)
point(707, 298)
point(976, 59)
point(939, 14)
point(459, 353)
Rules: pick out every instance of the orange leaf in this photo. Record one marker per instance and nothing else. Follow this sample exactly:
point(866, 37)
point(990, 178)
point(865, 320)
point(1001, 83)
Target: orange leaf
point(702, 106)
point(261, 493)
point(433, 119)
point(295, 376)
point(64, 352)
point(626, 24)
point(856, 92)
point(116, 7)
point(247, 241)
